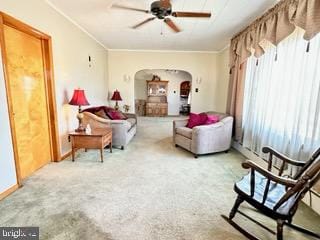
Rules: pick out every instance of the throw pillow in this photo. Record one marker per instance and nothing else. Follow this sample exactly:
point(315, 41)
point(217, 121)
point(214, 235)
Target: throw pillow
point(212, 119)
point(197, 119)
point(102, 114)
point(96, 109)
point(108, 109)
point(115, 115)
point(92, 110)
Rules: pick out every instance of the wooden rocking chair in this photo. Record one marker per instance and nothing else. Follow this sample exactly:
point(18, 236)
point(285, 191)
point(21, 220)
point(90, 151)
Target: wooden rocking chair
point(275, 195)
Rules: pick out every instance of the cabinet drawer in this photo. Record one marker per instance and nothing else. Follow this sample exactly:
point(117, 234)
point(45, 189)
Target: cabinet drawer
point(151, 105)
point(86, 142)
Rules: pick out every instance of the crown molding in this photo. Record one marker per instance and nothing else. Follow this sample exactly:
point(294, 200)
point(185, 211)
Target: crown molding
point(161, 51)
point(75, 23)
point(225, 48)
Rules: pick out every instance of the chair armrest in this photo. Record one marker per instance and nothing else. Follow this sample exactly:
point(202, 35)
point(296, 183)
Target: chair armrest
point(281, 180)
point(211, 138)
point(88, 115)
point(176, 124)
point(117, 121)
point(226, 122)
point(284, 158)
point(180, 123)
point(90, 118)
point(206, 128)
point(207, 132)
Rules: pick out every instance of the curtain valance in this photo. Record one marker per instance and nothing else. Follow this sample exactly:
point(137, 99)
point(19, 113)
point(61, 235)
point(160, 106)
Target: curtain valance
point(275, 25)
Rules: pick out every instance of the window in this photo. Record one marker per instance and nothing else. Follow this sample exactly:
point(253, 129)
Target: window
point(282, 98)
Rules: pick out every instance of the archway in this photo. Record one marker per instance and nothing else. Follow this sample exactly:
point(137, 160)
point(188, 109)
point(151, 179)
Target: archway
point(177, 102)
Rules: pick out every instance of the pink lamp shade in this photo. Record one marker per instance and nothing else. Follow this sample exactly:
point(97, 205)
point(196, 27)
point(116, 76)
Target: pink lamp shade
point(116, 96)
point(79, 98)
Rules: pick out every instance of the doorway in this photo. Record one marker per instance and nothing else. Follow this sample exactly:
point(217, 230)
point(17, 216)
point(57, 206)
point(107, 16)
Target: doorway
point(27, 60)
point(185, 93)
point(177, 101)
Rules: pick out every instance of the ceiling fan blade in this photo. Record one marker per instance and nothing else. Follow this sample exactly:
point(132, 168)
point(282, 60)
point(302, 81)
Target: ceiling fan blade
point(129, 8)
point(172, 25)
point(144, 22)
point(191, 14)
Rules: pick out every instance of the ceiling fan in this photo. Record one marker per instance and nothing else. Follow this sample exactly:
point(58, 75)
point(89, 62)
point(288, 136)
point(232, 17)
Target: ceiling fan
point(163, 10)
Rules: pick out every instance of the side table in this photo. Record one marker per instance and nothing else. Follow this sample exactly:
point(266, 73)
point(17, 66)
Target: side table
point(99, 138)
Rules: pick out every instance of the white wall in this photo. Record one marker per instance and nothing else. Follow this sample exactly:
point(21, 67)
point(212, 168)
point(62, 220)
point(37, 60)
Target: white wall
point(198, 64)
point(140, 89)
point(175, 80)
point(7, 165)
point(71, 48)
point(223, 78)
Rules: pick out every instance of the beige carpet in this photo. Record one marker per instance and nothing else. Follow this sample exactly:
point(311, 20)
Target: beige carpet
point(150, 191)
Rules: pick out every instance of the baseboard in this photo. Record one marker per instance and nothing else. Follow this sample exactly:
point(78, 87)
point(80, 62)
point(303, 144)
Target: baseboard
point(63, 157)
point(66, 155)
point(8, 191)
point(248, 154)
point(312, 199)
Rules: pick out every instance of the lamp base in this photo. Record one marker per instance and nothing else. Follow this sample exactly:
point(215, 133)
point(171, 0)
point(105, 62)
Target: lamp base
point(116, 107)
point(80, 129)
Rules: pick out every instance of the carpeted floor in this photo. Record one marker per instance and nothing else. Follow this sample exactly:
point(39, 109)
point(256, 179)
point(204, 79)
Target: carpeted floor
point(149, 191)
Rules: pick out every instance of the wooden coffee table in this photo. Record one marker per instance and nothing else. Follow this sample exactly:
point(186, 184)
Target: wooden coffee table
point(99, 138)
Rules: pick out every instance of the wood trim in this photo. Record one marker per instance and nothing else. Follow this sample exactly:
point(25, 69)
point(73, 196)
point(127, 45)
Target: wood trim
point(49, 82)
point(7, 192)
point(14, 23)
point(51, 99)
point(9, 102)
point(314, 192)
point(66, 155)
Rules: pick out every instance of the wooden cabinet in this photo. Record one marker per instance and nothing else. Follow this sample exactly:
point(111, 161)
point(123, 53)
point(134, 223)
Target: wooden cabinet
point(157, 109)
point(157, 88)
point(157, 105)
point(149, 109)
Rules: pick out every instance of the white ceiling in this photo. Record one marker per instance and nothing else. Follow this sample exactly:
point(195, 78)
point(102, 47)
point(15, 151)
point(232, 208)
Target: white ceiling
point(111, 27)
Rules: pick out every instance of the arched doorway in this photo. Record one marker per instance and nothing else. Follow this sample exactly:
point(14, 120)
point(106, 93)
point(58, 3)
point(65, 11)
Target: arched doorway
point(185, 99)
point(175, 100)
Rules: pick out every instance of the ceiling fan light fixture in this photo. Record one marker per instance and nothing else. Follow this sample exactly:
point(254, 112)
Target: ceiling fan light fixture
point(162, 9)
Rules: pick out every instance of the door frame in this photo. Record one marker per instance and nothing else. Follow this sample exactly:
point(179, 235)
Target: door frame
point(46, 45)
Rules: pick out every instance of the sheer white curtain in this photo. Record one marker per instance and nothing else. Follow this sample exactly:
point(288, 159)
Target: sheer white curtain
point(282, 98)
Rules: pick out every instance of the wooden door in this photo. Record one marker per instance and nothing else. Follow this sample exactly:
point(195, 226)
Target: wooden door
point(25, 68)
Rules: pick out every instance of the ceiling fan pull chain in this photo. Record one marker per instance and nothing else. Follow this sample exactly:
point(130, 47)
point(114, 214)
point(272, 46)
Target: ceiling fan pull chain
point(308, 47)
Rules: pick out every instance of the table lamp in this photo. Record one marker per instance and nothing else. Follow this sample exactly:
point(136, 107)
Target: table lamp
point(116, 97)
point(79, 99)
